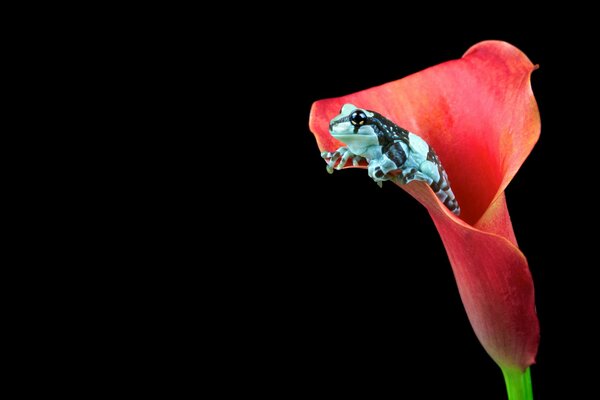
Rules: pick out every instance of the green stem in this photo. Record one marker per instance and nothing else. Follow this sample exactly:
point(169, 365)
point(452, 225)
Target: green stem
point(518, 384)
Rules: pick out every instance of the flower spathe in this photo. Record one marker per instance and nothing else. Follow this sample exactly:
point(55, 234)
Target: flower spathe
point(480, 116)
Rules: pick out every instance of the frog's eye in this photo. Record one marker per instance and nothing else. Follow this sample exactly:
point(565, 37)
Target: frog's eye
point(358, 117)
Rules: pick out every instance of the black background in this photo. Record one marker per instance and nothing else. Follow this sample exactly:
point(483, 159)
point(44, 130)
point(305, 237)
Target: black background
point(328, 302)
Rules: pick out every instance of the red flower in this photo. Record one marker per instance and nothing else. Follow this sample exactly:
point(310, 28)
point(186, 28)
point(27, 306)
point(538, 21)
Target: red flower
point(480, 116)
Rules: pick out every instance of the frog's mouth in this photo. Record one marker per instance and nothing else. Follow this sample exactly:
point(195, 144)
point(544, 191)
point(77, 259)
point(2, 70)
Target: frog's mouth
point(360, 140)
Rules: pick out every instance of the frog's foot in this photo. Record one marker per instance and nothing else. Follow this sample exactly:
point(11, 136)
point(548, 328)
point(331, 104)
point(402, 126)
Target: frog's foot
point(411, 174)
point(378, 175)
point(345, 154)
point(379, 170)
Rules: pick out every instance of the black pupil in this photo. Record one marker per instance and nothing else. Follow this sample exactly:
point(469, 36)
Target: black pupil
point(358, 117)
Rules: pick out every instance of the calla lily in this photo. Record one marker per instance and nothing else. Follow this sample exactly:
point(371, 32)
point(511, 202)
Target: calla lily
point(480, 116)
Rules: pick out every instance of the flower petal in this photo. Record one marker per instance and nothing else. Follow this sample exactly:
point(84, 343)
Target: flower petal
point(480, 116)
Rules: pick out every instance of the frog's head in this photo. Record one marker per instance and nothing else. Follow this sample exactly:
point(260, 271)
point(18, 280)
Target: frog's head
point(353, 127)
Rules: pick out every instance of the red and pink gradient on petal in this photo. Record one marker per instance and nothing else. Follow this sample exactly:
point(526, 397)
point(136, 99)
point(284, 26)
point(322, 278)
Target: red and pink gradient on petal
point(480, 116)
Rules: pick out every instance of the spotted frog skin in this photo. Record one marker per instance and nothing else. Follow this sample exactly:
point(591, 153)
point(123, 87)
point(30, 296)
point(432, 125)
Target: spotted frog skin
point(392, 153)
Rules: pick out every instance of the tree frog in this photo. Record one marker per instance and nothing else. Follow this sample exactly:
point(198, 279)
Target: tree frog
point(392, 153)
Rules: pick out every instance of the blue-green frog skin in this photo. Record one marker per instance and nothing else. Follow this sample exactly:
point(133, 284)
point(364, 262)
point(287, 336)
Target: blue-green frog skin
point(392, 153)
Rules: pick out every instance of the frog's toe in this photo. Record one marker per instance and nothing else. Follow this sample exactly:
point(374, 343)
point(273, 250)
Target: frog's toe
point(344, 160)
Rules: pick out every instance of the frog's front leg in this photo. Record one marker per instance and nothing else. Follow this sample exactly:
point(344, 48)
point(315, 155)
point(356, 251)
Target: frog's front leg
point(345, 155)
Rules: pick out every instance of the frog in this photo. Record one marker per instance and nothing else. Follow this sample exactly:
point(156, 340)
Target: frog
point(391, 152)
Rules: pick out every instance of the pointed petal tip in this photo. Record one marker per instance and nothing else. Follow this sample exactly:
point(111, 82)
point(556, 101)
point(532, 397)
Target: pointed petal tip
point(501, 49)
